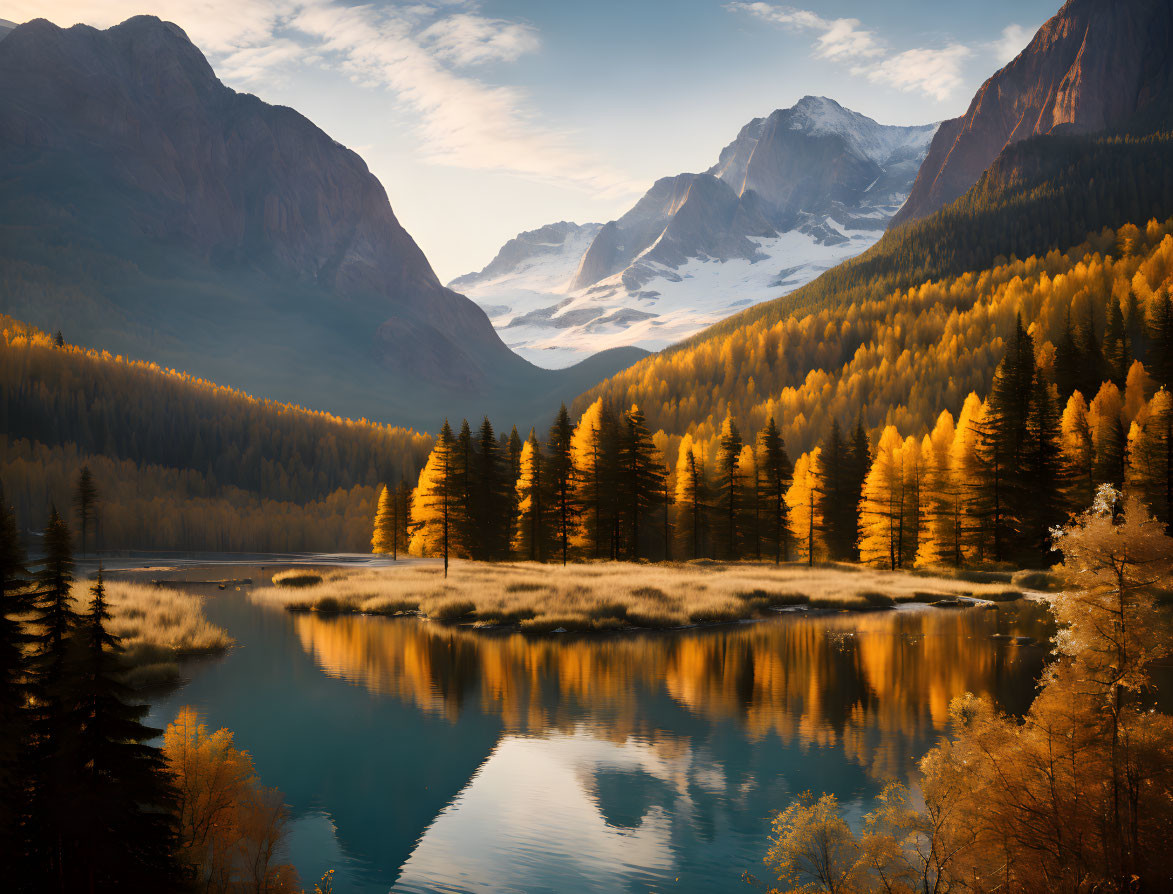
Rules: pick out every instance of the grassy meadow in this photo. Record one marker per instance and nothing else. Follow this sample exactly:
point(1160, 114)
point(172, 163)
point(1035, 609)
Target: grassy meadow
point(542, 598)
point(158, 627)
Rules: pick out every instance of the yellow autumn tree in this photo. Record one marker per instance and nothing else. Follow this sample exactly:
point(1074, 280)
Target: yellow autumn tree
point(882, 507)
point(531, 536)
point(803, 499)
point(231, 828)
point(1075, 441)
point(940, 543)
point(385, 539)
point(1105, 416)
point(588, 456)
point(965, 459)
point(690, 499)
point(435, 504)
point(1150, 456)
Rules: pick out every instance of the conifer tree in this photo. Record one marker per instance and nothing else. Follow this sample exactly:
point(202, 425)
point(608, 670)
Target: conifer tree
point(1092, 367)
point(1003, 436)
point(751, 502)
point(560, 466)
point(691, 498)
point(125, 802)
point(729, 477)
point(491, 497)
point(859, 463)
point(1045, 472)
point(1067, 360)
point(435, 503)
point(384, 539)
point(776, 478)
point(1161, 338)
point(513, 473)
point(940, 543)
point(404, 525)
point(838, 498)
point(531, 539)
point(1109, 438)
point(465, 472)
point(1151, 457)
point(882, 507)
point(910, 523)
point(85, 501)
point(52, 833)
point(1075, 440)
point(640, 480)
point(803, 502)
point(1117, 356)
point(14, 728)
point(968, 468)
point(593, 474)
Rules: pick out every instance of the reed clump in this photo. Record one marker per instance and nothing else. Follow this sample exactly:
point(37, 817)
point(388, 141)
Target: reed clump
point(541, 598)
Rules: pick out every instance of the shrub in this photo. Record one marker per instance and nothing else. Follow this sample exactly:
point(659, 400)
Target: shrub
point(296, 578)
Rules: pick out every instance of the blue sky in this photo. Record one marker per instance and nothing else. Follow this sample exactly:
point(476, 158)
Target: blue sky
point(486, 118)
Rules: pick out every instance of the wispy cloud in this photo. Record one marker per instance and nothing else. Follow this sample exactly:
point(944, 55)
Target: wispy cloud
point(935, 72)
point(420, 53)
point(837, 38)
point(1012, 42)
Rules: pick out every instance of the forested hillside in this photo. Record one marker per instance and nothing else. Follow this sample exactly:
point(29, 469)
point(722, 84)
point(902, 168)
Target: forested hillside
point(181, 462)
point(953, 423)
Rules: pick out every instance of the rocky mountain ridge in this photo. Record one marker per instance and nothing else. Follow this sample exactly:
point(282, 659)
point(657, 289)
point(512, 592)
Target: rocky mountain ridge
point(1094, 65)
point(793, 194)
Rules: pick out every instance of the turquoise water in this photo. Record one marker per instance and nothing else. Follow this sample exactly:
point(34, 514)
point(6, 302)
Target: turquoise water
point(420, 757)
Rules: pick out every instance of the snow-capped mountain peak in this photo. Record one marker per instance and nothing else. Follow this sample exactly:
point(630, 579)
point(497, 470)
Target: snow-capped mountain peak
point(796, 192)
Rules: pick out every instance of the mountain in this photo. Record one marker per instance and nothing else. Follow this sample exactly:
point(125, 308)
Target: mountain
point(147, 209)
point(795, 193)
point(1095, 65)
point(906, 329)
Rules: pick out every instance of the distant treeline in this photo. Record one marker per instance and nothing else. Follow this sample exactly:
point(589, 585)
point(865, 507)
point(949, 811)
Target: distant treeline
point(184, 463)
point(1060, 418)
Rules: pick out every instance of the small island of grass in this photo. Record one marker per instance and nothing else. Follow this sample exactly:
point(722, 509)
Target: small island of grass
point(542, 598)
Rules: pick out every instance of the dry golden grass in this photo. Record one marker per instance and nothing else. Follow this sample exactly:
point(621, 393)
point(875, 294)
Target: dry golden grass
point(158, 626)
point(602, 596)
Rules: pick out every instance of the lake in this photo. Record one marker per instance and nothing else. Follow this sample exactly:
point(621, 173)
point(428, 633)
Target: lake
point(421, 757)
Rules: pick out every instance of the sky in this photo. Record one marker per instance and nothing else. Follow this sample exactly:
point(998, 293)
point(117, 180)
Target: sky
point(484, 118)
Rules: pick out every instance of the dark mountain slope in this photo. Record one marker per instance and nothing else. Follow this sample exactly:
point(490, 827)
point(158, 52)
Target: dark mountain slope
point(1095, 65)
point(148, 209)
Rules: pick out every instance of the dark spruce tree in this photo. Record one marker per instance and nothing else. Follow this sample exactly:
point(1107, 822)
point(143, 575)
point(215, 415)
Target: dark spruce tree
point(124, 801)
point(560, 473)
point(1117, 356)
point(85, 502)
point(1044, 480)
point(838, 503)
point(53, 833)
point(640, 482)
point(466, 536)
point(1003, 441)
point(1067, 361)
point(1092, 366)
point(15, 602)
point(1160, 365)
point(777, 472)
point(491, 491)
point(859, 461)
point(729, 474)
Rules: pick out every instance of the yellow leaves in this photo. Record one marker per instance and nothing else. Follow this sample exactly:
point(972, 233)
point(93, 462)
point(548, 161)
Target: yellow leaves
point(230, 826)
point(802, 499)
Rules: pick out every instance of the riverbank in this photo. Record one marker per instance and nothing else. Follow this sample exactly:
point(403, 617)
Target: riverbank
point(158, 628)
point(544, 598)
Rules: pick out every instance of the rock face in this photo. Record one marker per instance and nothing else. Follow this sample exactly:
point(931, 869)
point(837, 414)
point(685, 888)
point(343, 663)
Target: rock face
point(170, 217)
point(1095, 64)
point(795, 193)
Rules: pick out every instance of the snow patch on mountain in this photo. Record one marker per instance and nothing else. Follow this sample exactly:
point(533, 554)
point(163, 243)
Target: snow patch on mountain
point(794, 194)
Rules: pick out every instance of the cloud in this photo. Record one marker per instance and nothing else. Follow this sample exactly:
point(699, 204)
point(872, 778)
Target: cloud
point(416, 52)
point(465, 39)
point(936, 73)
point(838, 38)
point(1013, 41)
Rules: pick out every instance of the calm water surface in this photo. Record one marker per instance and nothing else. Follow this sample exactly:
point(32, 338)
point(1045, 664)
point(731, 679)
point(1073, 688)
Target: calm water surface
point(419, 757)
